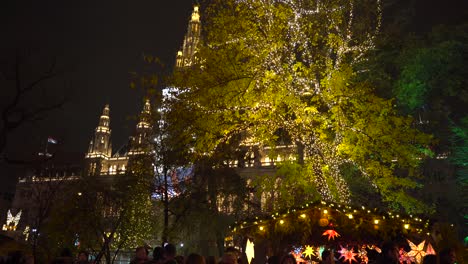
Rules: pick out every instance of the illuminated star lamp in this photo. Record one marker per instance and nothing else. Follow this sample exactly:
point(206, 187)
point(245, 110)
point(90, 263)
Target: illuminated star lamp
point(26, 233)
point(12, 221)
point(331, 234)
point(430, 250)
point(404, 258)
point(249, 251)
point(297, 253)
point(347, 254)
point(362, 254)
point(309, 252)
point(417, 252)
point(374, 247)
point(319, 252)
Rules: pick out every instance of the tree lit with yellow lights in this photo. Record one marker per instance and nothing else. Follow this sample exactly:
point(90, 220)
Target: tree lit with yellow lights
point(297, 66)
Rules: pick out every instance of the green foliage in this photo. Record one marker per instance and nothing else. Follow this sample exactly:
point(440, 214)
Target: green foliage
point(430, 71)
point(293, 184)
point(459, 158)
point(107, 214)
point(271, 66)
point(137, 212)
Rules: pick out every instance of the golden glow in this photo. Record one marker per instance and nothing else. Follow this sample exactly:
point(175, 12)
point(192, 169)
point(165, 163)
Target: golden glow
point(406, 226)
point(249, 251)
point(376, 221)
point(195, 15)
point(303, 215)
point(261, 228)
point(350, 216)
point(281, 222)
point(325, 211)
point(79, 194)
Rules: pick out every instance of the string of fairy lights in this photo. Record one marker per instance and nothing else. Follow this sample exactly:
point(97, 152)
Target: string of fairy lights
point(324, 210)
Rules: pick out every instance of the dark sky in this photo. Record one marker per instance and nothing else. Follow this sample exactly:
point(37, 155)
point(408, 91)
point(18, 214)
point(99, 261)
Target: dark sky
point(96, 44)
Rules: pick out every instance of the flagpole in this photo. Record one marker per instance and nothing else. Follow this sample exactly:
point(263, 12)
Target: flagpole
point(45, 153)
point(46, 145)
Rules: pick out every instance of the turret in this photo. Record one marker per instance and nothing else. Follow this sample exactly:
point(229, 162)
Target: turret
point(100, 145)
point(186, 57)
point(140, 143)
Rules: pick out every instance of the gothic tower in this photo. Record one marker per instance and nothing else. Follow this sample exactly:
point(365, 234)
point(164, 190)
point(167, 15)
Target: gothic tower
point(140, 143)
point(186, 57)
point(100, 147)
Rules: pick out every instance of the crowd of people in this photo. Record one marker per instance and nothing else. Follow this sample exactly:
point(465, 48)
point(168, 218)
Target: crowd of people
point(389, 255)
point(168, 255)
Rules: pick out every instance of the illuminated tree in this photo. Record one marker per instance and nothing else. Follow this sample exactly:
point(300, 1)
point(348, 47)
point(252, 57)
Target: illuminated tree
point(105, 215)
point(294, 65)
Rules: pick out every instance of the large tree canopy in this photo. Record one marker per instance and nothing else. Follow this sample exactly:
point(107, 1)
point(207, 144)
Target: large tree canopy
point(293, 65)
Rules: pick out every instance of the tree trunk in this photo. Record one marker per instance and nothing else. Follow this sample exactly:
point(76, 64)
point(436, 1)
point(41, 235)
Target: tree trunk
point(166, 208)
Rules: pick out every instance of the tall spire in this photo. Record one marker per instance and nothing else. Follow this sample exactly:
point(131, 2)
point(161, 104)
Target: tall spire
point(100, 145)
point(140, 142)
point(186, 57)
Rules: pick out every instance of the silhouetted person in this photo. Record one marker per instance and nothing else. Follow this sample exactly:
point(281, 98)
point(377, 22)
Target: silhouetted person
point(327, 257)
point(170, 254)
point(447, 256)
point(158, 256)
point(288, 259)
point(273, 260)
point(141, 255)
point(390, 254)
point(82, 258)
point(195, 259)
point(228, 258)
point(430, 259)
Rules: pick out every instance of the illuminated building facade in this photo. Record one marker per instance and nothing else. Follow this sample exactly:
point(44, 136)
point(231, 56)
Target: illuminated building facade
point(100, 161)
point(37, 191)
point(187, 56)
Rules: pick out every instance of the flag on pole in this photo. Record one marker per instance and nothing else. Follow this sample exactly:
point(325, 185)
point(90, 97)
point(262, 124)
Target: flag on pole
point(51, 140)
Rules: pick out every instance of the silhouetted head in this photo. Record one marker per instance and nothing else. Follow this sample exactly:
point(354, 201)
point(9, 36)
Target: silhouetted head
point(158, 253)
point(448, 256)
point(195, 259)
point(170, 251)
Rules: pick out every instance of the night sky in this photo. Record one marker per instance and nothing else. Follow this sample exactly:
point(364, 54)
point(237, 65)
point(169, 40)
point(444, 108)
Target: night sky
point(95, 44)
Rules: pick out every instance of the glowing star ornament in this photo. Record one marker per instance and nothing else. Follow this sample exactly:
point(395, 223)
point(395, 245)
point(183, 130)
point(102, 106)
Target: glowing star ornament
point(26, 233)
point(417, 252)
point(374, 247)
point(319, 252)
point(12, 221)
point(249, 251)
point(331, 234)
point(362, 254)
point(347, 254)
point(404, 258)
point(430, 250)
point(297, 253)
point(309, 252)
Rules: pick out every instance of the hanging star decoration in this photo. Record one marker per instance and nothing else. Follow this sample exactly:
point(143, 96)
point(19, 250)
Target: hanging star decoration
point(26, 233)
point(347, 254)
point(331, 234)
point(417, 252)
point(362, 254)
point(249, 251)
point(430, 250)
point(297, 253)
point(12, 221)
point(404, 258)
point(309, 252)
point(374, 247)
point(319, 252)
